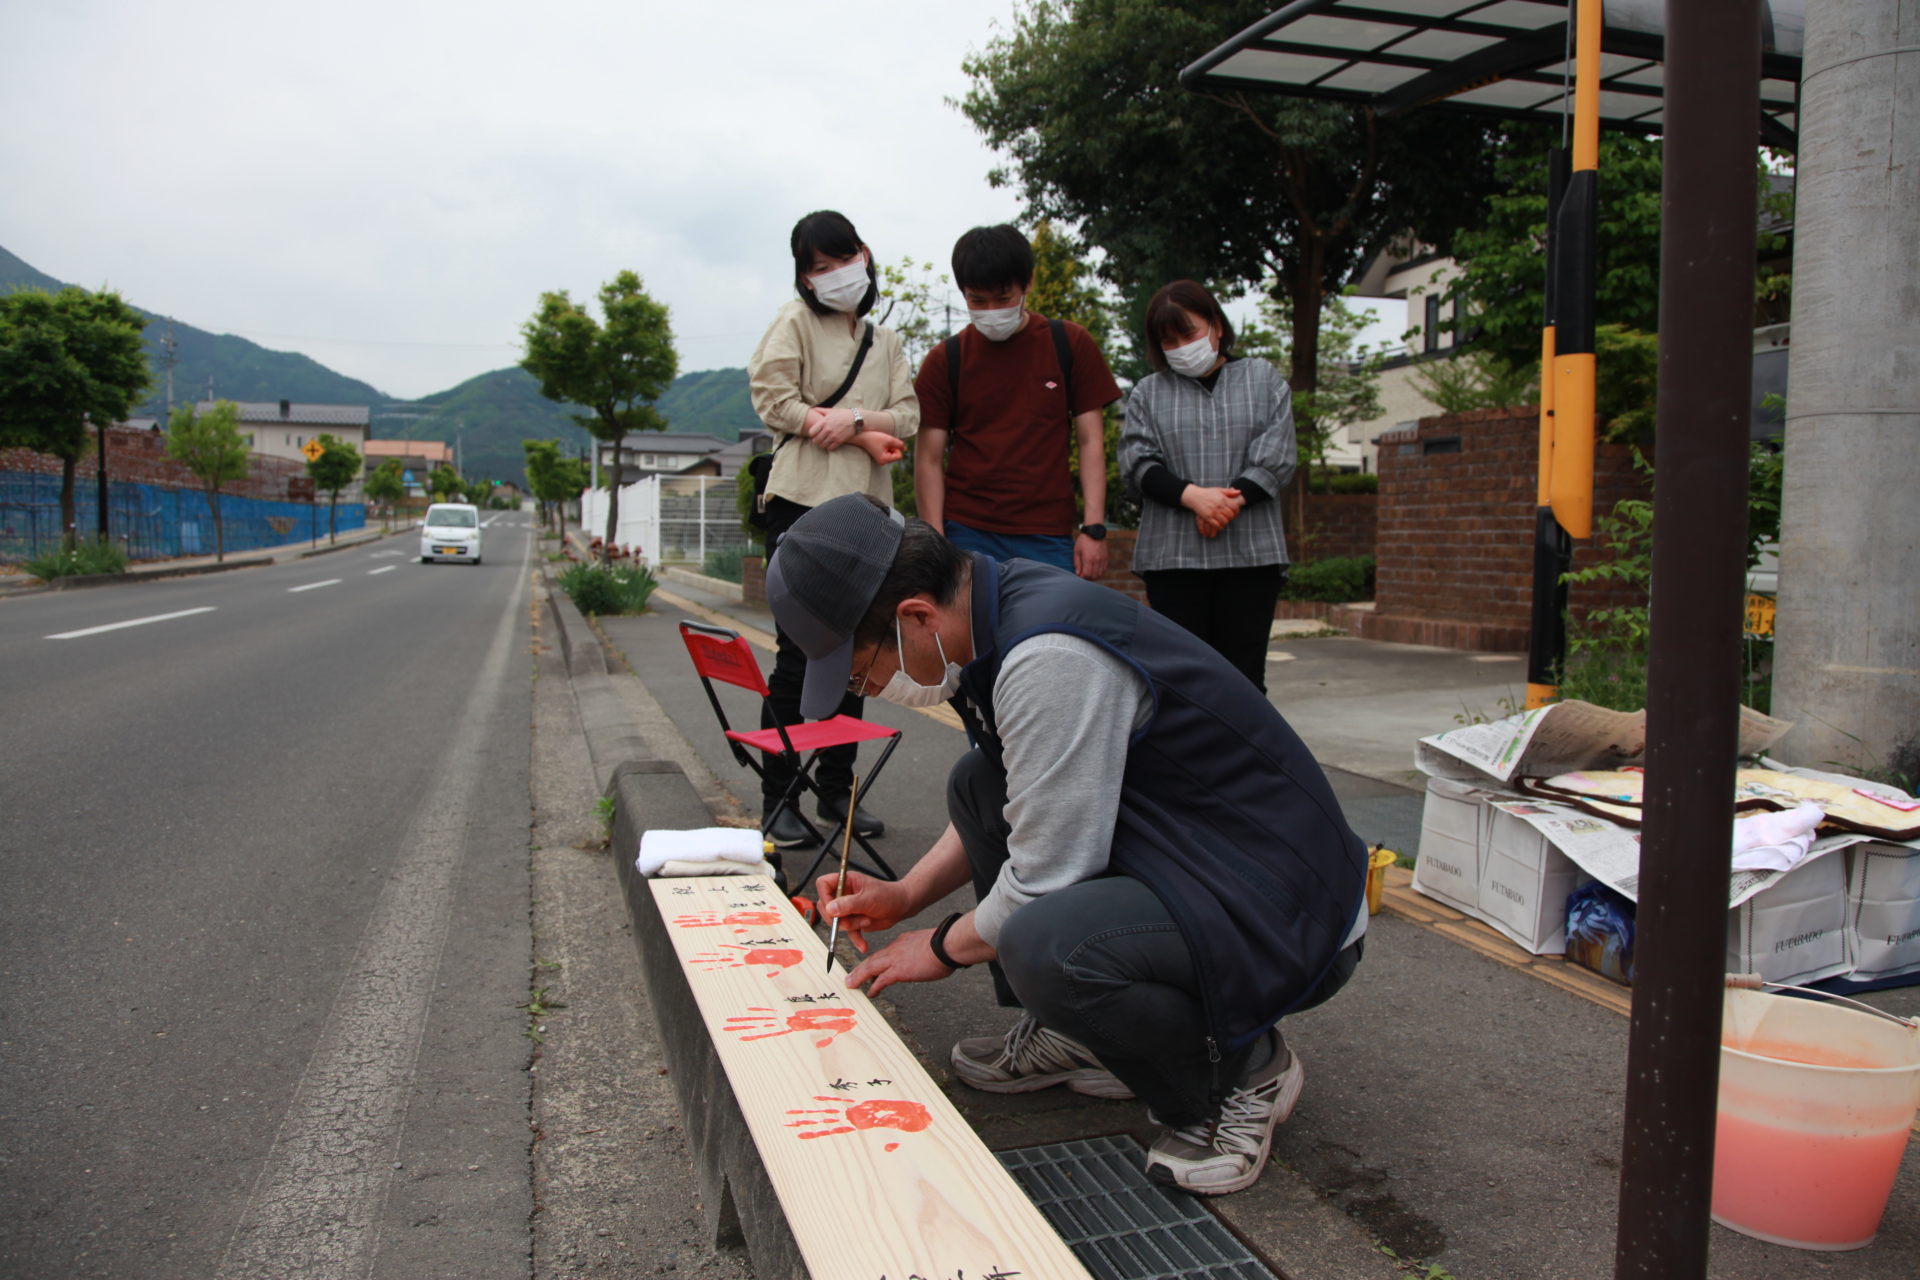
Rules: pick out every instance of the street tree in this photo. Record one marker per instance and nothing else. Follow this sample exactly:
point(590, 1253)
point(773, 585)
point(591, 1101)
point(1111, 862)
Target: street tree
point(554, 479)
point(386, 487)
point(444, 483)
point(212, 447)
point(1234, 189)
point(615, 368)
point(67, 359)
point(1346, 384)
point(337, 467)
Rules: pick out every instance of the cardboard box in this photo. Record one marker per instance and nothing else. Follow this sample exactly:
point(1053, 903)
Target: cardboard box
point(1524, 884)
point(1883, 910)
point(1453, 843)
point(1796, 930)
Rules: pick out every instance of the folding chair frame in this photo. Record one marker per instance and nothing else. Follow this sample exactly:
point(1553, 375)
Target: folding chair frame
point(801, 766)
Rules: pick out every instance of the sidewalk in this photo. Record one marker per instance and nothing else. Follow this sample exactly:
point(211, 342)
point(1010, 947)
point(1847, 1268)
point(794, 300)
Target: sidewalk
point(19, 584)
point(1458, 1110)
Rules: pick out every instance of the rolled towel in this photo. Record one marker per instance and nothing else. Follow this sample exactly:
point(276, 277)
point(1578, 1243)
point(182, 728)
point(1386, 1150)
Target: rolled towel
point(722, 868)
point(704, 844)
point(1775, 841)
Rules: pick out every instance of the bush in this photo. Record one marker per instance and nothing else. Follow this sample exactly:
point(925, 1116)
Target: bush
point(1335, 580)
point(98, 556)
point(723, 564)
point(608, 589)
point(1344, 482)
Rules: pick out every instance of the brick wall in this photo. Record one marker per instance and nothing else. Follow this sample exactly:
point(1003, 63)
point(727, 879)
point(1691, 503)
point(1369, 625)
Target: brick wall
point(140, 457)
point(1455, 532)
point(1338, 524)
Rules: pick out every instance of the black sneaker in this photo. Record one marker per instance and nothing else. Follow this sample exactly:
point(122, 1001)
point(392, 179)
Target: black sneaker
point(834, 808)
point(787, 831)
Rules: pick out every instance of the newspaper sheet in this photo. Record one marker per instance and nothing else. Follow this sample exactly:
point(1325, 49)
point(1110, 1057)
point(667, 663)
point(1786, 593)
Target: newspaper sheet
point(1559, 738)
point(1611, 854)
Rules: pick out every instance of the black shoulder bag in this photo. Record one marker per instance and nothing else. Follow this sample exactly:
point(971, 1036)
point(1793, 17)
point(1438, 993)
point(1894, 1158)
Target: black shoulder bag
point(760, 466)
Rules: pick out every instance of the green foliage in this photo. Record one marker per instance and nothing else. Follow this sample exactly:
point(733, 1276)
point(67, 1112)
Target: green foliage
point(1084, 98)
point(1346, 383)
point(1335, 580)
point(1502, 254)
point(1766, 466)
point(67, 360)
point(1066, 288)
point(385, 485)
point(608, 588)
point(97, 555)
point(914, 303)
point(1607, 648)
point(444, 483)
point(211, 446)
point(1626, 378)
point(616, 369)
point(1323, 481)
point(723, 564)
point(1476, 379)
point(743, 497)
point(337, 467)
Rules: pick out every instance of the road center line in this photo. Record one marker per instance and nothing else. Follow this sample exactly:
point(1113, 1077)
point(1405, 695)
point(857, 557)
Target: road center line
point(315, 1209)
point(136, 622)
point(311, 585)
point(385, 568)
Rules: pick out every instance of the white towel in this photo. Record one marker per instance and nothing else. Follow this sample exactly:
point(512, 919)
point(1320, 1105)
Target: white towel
point(1775, 841)
point(705, 844)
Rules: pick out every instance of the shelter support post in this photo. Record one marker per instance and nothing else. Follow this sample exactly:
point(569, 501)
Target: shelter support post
point(1708, 203)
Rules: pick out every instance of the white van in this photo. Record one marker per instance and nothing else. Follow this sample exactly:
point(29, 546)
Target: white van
point(451, 531)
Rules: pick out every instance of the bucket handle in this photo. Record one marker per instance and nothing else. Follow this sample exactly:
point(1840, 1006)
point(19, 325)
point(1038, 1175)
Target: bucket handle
point(1754, 982)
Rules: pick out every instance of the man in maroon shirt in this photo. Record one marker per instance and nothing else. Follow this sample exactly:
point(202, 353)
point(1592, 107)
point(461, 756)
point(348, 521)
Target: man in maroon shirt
point(1000, 402)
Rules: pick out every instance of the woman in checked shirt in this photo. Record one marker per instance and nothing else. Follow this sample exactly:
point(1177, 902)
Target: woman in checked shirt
point(1208, 441)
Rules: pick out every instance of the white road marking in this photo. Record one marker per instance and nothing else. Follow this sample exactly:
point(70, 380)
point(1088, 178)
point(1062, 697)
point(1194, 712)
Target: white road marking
point(136, 622)
point(311, 585)
point(315, 1210)
point(385, 568)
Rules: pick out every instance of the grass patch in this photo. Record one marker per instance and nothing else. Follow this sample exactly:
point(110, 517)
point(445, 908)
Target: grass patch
point(723, 564)
point(608, 589)
point(97, 556)
point(1335, 580)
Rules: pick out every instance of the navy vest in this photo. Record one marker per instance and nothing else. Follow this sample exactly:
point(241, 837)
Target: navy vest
point(1224, 813)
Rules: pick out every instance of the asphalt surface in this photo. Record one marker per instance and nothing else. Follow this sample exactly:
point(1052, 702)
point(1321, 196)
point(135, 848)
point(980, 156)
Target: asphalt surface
point(1457, 1110)
point(264, 921)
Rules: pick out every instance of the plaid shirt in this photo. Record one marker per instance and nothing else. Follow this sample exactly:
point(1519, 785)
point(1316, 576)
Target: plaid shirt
point(1243, 427)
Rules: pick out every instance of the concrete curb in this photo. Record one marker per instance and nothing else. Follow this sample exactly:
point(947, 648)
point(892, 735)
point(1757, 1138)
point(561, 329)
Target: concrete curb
point(612, 740)
point(80, 581)
point(741, 1206)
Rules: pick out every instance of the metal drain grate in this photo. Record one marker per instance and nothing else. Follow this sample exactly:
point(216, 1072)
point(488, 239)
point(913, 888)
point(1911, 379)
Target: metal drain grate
point(1096, 1194)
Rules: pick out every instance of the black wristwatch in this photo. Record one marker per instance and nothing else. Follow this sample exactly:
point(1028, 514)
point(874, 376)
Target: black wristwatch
point(1098, 532)
point(939, 943)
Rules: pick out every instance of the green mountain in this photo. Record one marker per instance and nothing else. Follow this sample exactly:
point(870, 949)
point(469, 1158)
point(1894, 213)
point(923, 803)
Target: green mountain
point(488, 415)
point(238, 369)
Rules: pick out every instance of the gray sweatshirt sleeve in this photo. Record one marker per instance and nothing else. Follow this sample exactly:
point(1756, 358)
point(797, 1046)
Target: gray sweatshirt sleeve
point(1066, 709)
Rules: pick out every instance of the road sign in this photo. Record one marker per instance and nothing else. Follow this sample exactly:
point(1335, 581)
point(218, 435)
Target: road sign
point(313, 449)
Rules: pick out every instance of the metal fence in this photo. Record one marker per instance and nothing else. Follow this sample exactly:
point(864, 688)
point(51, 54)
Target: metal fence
point(671, 519)
point(153, 523)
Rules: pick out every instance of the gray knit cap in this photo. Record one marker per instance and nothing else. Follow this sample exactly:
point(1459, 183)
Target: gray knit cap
point(827, 569)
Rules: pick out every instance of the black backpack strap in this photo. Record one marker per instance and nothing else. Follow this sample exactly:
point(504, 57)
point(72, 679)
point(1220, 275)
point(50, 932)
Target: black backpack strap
point(1064, 352)
point(952, 349)
point(859, 358)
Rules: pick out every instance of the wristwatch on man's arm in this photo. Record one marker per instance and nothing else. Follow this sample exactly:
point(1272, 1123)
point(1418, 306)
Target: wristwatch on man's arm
point(1098, 532)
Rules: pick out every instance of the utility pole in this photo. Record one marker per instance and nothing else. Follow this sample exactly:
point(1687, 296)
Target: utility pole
point(1847, 649)
point(172, 358)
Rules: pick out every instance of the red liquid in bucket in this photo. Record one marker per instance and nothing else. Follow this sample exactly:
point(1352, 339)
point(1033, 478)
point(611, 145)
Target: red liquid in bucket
point(1817, 1189)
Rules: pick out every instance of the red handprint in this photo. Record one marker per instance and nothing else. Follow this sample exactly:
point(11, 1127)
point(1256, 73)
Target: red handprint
point(878, 1113)
point(775, 958)
point(742, 921)
point(832, 1021)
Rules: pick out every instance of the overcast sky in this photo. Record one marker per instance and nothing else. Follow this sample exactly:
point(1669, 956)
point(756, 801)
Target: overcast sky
point(388, 186)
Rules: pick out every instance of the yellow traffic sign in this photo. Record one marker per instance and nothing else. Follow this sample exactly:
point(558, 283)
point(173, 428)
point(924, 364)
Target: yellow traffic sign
point(1760, 611)
point(313, 449)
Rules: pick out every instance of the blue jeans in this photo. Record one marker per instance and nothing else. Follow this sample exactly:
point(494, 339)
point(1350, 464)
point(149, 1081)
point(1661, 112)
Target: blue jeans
point(1046, 548)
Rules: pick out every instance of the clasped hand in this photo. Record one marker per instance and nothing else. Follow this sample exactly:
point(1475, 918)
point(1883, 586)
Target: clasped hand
point(829, 428)
point(1213, 509)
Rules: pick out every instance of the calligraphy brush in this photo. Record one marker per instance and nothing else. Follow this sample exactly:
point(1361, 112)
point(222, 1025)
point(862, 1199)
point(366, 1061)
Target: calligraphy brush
point(840, 881)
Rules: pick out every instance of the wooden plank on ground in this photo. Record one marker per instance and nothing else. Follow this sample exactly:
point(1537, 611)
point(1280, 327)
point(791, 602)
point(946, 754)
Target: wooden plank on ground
point(878, 1174)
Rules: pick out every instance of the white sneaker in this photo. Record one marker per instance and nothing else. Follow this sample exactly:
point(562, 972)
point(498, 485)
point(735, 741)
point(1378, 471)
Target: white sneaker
point(1030, 1057)
point(1227, 1153)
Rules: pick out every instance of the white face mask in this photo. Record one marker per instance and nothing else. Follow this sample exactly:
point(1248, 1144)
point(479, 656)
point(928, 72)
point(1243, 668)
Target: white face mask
point(997, 326)
point(1194, 359)
point(904, 691)
point(843, 287)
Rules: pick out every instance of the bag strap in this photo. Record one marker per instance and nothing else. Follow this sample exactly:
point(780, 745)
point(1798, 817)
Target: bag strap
point(1062, 352)
point(859, 358)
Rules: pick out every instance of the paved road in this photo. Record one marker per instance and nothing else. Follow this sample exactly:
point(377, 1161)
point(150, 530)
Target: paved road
point(263, 921)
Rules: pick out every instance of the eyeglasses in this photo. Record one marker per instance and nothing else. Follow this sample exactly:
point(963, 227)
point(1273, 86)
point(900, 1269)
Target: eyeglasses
point(857, 685)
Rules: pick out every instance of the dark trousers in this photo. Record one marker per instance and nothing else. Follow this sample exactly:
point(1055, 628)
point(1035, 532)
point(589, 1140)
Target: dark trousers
point(1102, 961)
point(835, 771)
point(1230, 609)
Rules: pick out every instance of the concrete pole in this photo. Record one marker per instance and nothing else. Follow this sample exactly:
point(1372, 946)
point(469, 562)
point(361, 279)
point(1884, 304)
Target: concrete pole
point(1847, 657)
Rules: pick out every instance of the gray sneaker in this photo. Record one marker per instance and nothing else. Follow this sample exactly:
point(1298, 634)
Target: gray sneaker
point(1227, 1153)
point(1031, 1057)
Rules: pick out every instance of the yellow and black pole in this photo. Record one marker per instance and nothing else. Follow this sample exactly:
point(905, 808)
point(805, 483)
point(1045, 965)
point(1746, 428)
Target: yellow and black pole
point(1565, 490)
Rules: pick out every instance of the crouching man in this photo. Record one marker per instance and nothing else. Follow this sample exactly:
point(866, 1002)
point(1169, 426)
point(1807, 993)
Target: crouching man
point(1161, 870)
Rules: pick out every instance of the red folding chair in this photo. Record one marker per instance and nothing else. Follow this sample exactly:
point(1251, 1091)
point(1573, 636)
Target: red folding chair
point(720, 654)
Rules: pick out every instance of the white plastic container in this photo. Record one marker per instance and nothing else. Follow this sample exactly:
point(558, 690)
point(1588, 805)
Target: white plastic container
point(1816, 1101)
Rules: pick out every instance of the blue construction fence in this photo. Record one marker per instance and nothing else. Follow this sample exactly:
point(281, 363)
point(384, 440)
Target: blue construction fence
point(155, 523)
